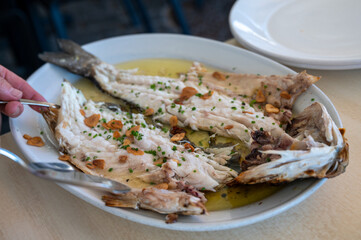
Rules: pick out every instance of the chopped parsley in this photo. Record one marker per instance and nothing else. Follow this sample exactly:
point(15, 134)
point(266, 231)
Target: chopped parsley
point(252, 102)
point(153, 152)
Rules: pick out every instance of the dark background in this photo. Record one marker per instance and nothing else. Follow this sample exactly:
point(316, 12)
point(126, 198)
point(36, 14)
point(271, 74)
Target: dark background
point(28, 27)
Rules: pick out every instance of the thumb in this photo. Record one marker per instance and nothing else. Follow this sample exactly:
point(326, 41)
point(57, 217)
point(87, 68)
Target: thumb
point(7, 92)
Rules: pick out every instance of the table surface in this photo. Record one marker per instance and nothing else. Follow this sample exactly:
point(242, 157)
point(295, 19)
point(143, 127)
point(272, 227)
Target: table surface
point(31, 208)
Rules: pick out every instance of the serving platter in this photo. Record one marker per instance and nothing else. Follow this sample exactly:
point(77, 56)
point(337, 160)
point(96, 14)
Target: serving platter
point(321, 34)
point(47, 80)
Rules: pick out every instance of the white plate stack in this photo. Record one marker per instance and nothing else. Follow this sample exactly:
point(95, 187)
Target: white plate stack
point(317, 34)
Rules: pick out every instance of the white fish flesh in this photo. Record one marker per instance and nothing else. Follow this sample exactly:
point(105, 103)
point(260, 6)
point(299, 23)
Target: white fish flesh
point(142, 157)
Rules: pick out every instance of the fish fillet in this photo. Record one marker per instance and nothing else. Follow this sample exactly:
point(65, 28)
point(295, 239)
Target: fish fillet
point(140, 158)
point(212, 114)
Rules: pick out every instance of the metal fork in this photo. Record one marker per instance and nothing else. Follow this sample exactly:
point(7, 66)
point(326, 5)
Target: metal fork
point(35, 103)
point(64, 173)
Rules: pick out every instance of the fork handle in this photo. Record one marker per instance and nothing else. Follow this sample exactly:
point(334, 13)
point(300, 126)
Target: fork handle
point(34, 103)
point(13, 157)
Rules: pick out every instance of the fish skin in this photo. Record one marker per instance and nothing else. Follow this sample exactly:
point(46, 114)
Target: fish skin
point(158, 200)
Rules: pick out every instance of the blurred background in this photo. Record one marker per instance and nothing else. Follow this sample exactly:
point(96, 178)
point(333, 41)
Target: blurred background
point(28, 27)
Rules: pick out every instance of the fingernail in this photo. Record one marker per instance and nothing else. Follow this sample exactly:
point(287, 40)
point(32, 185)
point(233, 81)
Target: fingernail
point(16, 93)
point(17, 112)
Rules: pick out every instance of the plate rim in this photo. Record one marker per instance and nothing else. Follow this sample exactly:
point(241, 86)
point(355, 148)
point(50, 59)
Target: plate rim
point(308, 62)
point(193, 226)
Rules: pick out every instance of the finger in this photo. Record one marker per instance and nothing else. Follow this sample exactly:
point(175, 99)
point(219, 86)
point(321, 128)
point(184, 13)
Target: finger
point(20, 84)
point(8, 92)
point(13, 109)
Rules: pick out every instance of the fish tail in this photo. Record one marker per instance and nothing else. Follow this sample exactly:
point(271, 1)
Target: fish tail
point(72, 57)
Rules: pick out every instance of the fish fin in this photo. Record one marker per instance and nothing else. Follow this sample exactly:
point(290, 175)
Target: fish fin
point(51, 117)
point(341, 162)
point(128, 200)
point(72, 57)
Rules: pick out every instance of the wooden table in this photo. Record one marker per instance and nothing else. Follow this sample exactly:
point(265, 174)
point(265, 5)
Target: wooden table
point(31, 208)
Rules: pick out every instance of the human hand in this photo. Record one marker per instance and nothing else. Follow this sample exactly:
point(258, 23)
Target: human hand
point(13, 88)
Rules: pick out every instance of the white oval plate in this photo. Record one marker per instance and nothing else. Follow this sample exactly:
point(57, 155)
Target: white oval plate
point(321, 34)
point(47, 80)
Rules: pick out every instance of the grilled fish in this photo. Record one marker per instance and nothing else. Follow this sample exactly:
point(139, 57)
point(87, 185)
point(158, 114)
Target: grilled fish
point(192, 102)
point(101, 139)
point(318, 150)
point(201, 101)
point(279, 91)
